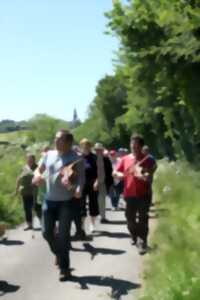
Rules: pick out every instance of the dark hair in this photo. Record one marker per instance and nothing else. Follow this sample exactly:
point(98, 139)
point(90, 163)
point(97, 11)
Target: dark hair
point(30, 155)
point(67, 135)
point(138, 138)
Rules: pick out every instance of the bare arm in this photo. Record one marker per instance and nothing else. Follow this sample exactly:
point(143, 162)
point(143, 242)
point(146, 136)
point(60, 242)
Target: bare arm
point(80, 179)
point(119, 171)
point(118, 175)
point(38, 177)
point(148, 173)
point(17, 185)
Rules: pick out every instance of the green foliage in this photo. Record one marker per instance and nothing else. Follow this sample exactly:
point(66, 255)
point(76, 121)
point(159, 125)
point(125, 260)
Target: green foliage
point(13, 137)
point(13, 149)
point(110, 99)
point(155, 88)
point(173, 270)
point(11, 210)
point(43, 128)
point(159, 58)
point(91, 129)
point(10, 125)
point(108, 105)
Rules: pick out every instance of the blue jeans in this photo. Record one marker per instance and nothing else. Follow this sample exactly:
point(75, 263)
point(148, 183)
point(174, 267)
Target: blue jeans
point(115, 192)
point(64, 212)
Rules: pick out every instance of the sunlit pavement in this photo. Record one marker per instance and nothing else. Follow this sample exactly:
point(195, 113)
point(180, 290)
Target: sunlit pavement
point(103, 268)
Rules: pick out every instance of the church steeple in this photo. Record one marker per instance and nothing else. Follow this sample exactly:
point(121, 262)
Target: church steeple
point(75, 121)
point(75, 116)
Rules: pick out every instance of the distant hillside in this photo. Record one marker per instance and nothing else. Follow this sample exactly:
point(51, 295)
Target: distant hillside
point(10, 125)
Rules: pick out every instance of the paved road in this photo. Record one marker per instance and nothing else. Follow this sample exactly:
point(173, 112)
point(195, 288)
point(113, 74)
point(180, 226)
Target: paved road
point(104, 268)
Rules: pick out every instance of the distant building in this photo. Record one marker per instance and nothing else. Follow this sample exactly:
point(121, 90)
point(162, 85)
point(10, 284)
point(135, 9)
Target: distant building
point(76, 121)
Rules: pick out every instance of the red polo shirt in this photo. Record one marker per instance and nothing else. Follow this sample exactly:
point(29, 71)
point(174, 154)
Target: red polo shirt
point(134, 186)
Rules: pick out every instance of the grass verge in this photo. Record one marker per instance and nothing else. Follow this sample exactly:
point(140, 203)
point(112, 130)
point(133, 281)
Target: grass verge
point(173, 269)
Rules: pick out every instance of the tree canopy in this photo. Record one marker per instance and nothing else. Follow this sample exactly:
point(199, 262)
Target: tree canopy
point(155, 89)
point(43, 128)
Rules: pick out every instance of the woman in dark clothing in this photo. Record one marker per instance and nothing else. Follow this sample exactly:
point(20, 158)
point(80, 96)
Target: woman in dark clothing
point(104, 181)
point(89, 190)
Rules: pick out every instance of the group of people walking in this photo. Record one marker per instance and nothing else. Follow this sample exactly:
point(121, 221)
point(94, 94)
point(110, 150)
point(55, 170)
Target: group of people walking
point(77, 181)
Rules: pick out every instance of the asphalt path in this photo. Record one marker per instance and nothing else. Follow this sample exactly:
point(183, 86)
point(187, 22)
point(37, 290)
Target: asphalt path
point(106, 266)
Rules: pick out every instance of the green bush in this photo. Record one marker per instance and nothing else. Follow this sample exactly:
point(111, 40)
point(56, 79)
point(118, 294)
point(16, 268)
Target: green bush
point(11, 210)
point(173, 271)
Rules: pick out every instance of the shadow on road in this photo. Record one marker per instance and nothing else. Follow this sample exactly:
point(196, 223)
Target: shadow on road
point(117, 235)
point(118, 287)
point(88, 238)
point(95, 251)
point(116, 222)
point(117, 210)
point(7, 242)
point(37, 229)
point(6, 288)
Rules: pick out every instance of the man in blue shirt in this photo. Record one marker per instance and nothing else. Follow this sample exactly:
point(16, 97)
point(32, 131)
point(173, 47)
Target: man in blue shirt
point(62, 200)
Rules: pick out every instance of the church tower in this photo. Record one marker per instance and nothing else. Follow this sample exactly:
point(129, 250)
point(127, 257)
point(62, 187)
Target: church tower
point(75, 121)
point(75, 116)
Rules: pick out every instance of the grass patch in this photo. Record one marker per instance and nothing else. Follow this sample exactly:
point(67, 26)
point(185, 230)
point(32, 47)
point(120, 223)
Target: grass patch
point(12, 159)
point(12, 136)
point(173, 270)
point(11, 211)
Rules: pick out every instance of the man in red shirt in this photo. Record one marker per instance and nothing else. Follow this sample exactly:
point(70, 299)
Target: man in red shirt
point(136, 170)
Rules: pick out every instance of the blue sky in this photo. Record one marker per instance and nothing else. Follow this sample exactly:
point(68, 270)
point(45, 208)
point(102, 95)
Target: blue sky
point(52, 54)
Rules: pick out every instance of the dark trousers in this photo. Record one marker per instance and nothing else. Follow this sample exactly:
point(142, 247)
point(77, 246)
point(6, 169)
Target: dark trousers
point(29, 204)
point(150, 197)
point(92, 195)
point(77, 215)
point(137, 217)
point(64, 212)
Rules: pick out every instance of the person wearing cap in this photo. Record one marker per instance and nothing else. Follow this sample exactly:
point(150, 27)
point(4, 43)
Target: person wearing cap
point(137, 170)
point(122, 152)
point(89, 190)
point(104, 179)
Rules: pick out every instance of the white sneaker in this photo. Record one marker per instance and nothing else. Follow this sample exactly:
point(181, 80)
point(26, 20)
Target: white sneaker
point(91, 228)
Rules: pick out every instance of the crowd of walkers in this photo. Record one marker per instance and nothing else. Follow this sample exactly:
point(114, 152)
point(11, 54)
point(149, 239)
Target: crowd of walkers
point(70, 182)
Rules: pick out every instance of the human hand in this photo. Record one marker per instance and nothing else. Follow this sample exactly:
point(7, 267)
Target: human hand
point(38, 180)
point(77, 193)
point(96, 185)
point(118, 175)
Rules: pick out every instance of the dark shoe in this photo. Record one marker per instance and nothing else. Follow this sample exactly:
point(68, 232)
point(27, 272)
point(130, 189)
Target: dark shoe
point(104, 221)
point(80, 236)
point(65, 274)
point(28, 228)
point(134, 241)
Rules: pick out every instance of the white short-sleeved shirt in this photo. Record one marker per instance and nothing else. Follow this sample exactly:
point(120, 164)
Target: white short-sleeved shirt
point(53, 163)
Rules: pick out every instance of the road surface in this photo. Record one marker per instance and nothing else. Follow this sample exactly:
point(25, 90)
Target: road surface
point(107, 267)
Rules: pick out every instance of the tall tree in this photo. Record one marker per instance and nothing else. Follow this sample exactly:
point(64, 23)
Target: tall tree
point(108, 105)
point(160, 57)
